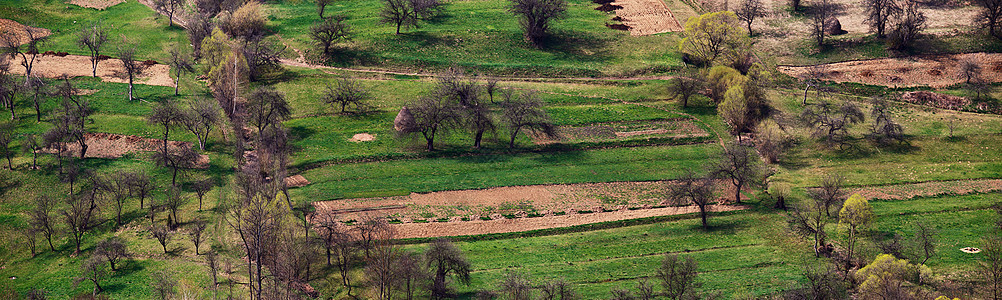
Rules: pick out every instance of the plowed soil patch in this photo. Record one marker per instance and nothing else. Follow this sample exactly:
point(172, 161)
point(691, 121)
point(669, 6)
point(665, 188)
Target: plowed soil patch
point(598, 132)
point(109, 145)
point(929, 189)
point(109, 70)
point(477, 227)
point(12, 27)
point(98, 4)
point(937, 71)
point(647, 17)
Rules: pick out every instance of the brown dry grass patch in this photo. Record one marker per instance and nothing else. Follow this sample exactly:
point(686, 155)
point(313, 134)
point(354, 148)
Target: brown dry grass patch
point(96, 4)
point(937, 71)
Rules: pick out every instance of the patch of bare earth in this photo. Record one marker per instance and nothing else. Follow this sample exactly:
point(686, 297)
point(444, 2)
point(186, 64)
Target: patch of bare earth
point(674, 128)
point(647, 17)
point(96, 4)
point(477, 227)
point(13, 27)
point(937, 71)
point(109, 145)
point(929, 189)
point(109, 70)
point(296, 181)
point(362, 137)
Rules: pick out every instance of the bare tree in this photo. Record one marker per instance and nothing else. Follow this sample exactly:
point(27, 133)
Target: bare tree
point(622, 294)
point(346, 91)
point(41, 218)
point(645, 290)
point(879, 13)
point(175, 199)
point(684, 88)
point(831, 121)
point(200, 188)
point(141, 185)
point(167, 115)
point(371, 230)
point(524, 111)
point(925, 241)
point(78, 215)
point(678, 276)
point(163, 235)
point(770, 141)
point(258, 223)
point(535, 16)
point(749, 11)
point(164, 284)
point(183, 157)
point(116, 185)
point(824, 283)
point(71, 117)
point(9, 90)
point(830, 194)
point(432, 115)
point(127, 55)
point(263, 56)
point(907, 27)
point(37, 87)
point(92, 37)
point(31, 238)
point(112, 249)
point(491, 87)
point(407, 13)
point(6, 137)
point(990, 15)
point(168, 7)
point(345, 249)
point(558, 289)
point(809, 219)
point(212, 261)
point(198, 26)
point(92, 270)
point(381, 270)
point(737, 164)
point(516, 286)
point(823, 12)
point(445, 259)
point(195, 231)
point(329, 31)
point(696, 190)
point(969, 70)
point(199, 118)
point(180, 61)
point(321, 6)
point(267, 107)
point(12, 44)
point(474, 112)
point(410, 273)
point(884, 129)
point(991, 263)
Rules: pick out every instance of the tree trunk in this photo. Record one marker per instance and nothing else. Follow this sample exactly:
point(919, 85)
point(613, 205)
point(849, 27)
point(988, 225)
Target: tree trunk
point(177, 84)
point(476, 138)
point(398, 28)
point(737, 192)
point(130, 87)
point(48, 237)
point(511, 140)
point(702, 215)
point(83, 147)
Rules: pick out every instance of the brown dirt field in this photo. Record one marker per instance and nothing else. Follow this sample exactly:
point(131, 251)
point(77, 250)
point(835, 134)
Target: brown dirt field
point(517, 200)
point(475, 227)
point(928, 189)
point(937, 71)
point(677, 128)
point(109, 145)
point(15, 27)
point(647, 17)
point(362, 137)
point(296, 181)
point(110, 70)
point(97, 4)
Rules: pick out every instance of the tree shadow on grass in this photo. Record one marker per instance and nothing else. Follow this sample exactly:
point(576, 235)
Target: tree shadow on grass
point(343, 57)
point(577, 45)
point(177, 250)
point(719, 226)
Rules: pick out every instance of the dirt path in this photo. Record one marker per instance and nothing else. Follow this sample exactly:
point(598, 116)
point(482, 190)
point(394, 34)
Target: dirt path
point(937, 71)
point(477, 227)
point(647, 17)
point(109, 70)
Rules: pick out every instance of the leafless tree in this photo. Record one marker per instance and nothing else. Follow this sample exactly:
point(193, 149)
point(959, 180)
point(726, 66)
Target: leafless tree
point(824, 283)
point(39, 94)
point(32, 144)
point(6, 137)
point(141, 185)
point(345, 249)
point(112, 249)
point(79, 215)
point(12, 44)
point(473, 111)
point(622, 294)
point(163, 235)
point(212, 261)
point(9, 90)
point(248, 22)
point(645, 290)
point(830, 194)
point(183, 157)
point(925, 241)
point(198, 26)
point(432, 115)
point(372, 230)
point(516, 286)
point(809, 219)
point(321, 6)
point(267, 107)
point(92, 37)
point(535, 16)
point(92, 270)
point(737, 164)
point(678, 276)
point(990, 15)
point(696, 190)
point(180, 61)
point(884, 130)
point(770, 141)
point(444, 259)
point(167, 115)
point(195, 231)
point(346, 91)
point(175, 199)
point(558, 289)
point(258, 223)
point(907, 27)
point(969, 70)
point(407, 13)
point(164, 284)
point(71, 117)
point(524, 111)
point(116, 186)
point(127, 55)
point(831, 121)
point(879, 13)
point(329, 31)
point(823, 12)
point(491, 87)
point(199, 118)
point(200, 188)
point(749, 11)
point(684, 88)
point(991, 263)
point(169, 7)
point(263, 56)
point(381, 269)
point(41, 218)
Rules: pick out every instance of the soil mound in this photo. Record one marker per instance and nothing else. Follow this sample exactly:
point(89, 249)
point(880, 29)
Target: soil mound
point(608, 7)
point(362, 137)
point(936, 100)
point(834, 27)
